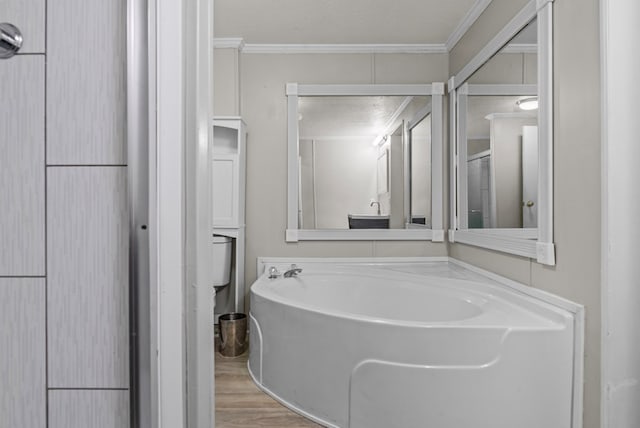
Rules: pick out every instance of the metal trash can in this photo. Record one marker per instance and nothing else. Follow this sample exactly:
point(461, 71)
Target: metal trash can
point(233, 334)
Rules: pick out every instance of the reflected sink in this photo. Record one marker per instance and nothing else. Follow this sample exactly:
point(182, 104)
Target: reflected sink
point(368, 221)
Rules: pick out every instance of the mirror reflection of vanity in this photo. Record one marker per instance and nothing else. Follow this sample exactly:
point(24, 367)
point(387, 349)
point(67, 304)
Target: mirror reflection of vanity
point(502, 124)
point(360, 162)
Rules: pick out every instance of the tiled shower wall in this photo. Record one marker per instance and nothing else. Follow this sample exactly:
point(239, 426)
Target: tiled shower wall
point(64, 356)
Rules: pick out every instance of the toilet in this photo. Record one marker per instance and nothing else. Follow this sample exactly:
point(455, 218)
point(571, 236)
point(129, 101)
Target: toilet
point(221, 261)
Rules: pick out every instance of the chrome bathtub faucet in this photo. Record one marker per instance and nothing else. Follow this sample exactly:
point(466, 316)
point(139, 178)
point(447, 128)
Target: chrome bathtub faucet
point(294, 271)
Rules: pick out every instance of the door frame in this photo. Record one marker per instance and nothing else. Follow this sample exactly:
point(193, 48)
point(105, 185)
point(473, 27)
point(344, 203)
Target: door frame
point(180, 78)
point(620, 235)
point(166, 75)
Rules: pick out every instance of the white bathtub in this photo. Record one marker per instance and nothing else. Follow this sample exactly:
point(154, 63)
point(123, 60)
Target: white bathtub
point(367, 347)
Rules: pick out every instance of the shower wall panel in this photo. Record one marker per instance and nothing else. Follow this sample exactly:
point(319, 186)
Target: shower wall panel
point(29, 17)
point(22, 353)
point(22, 166)
point(87, 277)
point(64, 341)
point(86, 74)
point(87, 214)
point(83, 409)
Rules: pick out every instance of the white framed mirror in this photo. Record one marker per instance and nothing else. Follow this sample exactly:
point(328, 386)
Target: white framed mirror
point(501, 115)
point(349, 158)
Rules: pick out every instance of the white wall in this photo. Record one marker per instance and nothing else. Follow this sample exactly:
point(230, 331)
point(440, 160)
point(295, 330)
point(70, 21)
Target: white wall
point(396, 181)
point(307, 197)
point(345, 181)
point(576, 275)
point(506, 152)
point(421, 169)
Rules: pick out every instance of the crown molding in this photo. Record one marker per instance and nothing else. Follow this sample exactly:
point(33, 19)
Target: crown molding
point(472, 16)
point(266, 48)
point(228, 43)
point(251, 48)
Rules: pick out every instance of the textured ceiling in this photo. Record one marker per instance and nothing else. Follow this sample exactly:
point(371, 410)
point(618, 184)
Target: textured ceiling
point(339, 21)
point(350, 117)
point(333, 117)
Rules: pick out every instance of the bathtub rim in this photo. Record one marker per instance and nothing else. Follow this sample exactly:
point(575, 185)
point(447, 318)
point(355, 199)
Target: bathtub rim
point(409, 278)
point(576, 310)
point(534, 318)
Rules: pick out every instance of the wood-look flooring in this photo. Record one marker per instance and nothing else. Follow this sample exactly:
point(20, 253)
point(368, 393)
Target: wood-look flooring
point(240, 404)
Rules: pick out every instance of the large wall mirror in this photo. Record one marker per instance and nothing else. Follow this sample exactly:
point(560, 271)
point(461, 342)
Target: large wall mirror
point(501, 109)
point(365, 162)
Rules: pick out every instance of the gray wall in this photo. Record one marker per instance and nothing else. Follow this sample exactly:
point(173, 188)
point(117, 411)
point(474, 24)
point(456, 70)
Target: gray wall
point(508, 68)
point(261, 94)
point(63, 251)
point(576, 275)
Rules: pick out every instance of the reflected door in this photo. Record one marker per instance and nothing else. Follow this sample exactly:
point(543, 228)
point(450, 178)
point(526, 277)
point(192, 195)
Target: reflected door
point(529, 176)
point(479, 190)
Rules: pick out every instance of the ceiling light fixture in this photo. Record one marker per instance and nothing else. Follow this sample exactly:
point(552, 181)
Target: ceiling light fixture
point(380, 140)
point(530, 103)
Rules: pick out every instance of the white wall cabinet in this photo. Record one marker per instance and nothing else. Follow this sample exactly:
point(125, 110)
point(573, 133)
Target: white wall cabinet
point(229, 189)
point(229, 163)
point(226, 197)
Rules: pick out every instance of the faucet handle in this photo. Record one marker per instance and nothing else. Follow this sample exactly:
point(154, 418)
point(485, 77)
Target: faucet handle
point(273, 272)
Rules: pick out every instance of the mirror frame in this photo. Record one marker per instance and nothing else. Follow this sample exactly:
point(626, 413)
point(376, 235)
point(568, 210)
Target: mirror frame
point(534, 243)
point(436, 92)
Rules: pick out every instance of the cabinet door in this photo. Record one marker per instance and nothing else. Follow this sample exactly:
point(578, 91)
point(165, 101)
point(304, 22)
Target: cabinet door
point(225, 191)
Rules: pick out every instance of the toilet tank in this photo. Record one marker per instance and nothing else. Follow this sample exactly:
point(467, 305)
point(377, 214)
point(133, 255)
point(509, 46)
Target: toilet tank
point(221, 260)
